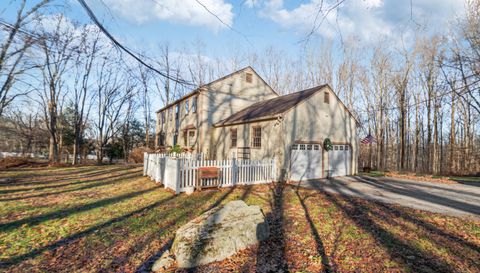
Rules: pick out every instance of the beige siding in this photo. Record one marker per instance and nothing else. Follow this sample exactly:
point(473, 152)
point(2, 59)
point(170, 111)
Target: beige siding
point(223, 99)
point(186, 119)
point(315, 120)
point(310, 121)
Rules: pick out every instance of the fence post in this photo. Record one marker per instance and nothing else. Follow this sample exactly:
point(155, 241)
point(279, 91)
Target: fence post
point(177, 177)
point(274, 169)
point(145, 163)
point(234, 171)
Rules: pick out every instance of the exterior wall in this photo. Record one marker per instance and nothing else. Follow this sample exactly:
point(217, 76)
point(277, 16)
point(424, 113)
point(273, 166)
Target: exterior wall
point(311, 121)
point(217, 101)
point(314, 120)
point(171, 126)
point(224, 98)
point(270, 137)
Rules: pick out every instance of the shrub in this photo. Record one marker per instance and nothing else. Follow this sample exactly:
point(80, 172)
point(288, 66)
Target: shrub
point(136, 155)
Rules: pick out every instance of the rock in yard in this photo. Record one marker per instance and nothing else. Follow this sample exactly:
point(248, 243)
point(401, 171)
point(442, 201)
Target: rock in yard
point(165, 262)
point(219, 233)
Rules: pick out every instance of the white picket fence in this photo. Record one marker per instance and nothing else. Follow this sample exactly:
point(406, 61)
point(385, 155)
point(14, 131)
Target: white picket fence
point(180, 173)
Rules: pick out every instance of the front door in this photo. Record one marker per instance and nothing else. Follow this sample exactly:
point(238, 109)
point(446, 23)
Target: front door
point(306, 162)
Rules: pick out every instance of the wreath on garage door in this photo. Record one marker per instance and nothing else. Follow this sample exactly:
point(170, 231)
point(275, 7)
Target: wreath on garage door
point(327, 144)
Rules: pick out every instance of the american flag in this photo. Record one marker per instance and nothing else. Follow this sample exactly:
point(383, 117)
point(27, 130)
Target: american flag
point(368, 139)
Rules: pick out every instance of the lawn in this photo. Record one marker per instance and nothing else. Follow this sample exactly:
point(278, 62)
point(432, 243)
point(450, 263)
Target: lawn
point(111, 219)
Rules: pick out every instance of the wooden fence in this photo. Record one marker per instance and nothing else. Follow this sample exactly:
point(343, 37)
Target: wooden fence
point(181, 173)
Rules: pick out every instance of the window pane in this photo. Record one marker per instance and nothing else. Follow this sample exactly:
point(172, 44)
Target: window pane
point(316, 147)
point(294, 147)
point(257, 137)
point(346, 148)
point(309, 147)
point(302, 146)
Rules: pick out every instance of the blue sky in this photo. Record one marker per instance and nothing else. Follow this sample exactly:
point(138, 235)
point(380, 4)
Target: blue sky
point(257, 24)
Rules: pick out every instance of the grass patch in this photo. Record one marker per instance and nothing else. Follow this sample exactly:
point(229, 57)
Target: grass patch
point(473, 179)
point(373, 173)
point(111, 219)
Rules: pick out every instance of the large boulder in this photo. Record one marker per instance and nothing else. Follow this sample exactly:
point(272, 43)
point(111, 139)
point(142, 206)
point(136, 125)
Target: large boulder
point(219, 233)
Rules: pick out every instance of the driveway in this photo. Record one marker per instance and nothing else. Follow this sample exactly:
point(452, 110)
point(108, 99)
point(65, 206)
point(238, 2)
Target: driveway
point(451, 199)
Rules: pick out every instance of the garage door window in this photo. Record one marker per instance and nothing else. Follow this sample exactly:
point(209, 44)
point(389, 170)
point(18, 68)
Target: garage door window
point(309, 147)
point(346, 148)
point(302, 146)
point(316, 147)
point(294, 147)
point(336, 148)
point(341, 148)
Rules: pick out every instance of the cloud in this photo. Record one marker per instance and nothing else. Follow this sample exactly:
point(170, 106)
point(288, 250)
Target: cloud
point(367, 19)
point(189, 12)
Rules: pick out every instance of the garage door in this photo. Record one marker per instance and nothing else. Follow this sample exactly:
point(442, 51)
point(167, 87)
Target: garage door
point(306, 162)
point(339, 160)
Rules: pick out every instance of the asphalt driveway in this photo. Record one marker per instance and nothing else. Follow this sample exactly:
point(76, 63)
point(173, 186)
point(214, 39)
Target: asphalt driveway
point(451, 199)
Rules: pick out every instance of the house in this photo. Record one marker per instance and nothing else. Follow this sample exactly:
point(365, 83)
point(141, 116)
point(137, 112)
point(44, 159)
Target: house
point(241, 116)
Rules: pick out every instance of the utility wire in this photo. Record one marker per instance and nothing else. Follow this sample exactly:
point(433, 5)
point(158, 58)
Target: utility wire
point(94, 18)
point(223, 23)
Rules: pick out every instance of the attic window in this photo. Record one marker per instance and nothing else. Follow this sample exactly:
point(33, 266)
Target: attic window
point(248, 77)
point(326, 98)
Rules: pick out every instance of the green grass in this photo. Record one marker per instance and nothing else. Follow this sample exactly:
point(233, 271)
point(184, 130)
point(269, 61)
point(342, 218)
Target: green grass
point(111, 219)
point(475, 179)
point(373, 173)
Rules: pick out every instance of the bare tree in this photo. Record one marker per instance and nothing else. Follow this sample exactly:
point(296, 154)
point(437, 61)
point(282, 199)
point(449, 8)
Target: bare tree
point(84, 62)
point(13, 53)
point(58, 49)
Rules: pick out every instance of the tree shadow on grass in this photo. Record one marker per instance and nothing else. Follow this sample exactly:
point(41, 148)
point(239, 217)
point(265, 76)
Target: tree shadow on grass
point(59, 214)
point(136, 172)
point(313, 230)
point(17, 181)
point(84, 233)
point(271, 252)
point(100, 183)
point(410, 256)
point(446, 239)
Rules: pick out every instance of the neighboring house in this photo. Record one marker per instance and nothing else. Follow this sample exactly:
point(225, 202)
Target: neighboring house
point(241, 116)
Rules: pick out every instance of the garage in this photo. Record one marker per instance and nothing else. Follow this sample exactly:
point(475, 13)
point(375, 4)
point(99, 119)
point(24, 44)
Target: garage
point(306, 162)
point(339, 160)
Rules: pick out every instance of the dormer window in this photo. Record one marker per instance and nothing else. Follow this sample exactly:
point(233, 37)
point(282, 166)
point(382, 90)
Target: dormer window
point(248, 77)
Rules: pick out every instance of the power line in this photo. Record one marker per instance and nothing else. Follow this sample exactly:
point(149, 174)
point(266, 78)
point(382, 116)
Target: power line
point(94, 18)
point(221, 21)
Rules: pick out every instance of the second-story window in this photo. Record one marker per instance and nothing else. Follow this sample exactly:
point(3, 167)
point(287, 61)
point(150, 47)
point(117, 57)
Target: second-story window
point(194, 104)
point(186, 107)
point(256, 137)
point(170, 114)
point(163, 117)
point(177, 110)
point(326, 98)
point(233, 138)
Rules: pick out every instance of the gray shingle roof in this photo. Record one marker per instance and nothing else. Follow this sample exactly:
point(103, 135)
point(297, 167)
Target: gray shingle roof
point(270, 108)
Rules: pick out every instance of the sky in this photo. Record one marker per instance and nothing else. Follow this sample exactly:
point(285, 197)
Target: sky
point(225, 27)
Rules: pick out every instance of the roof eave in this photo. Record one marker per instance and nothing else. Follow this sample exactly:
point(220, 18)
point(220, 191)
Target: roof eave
point(220, 124)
